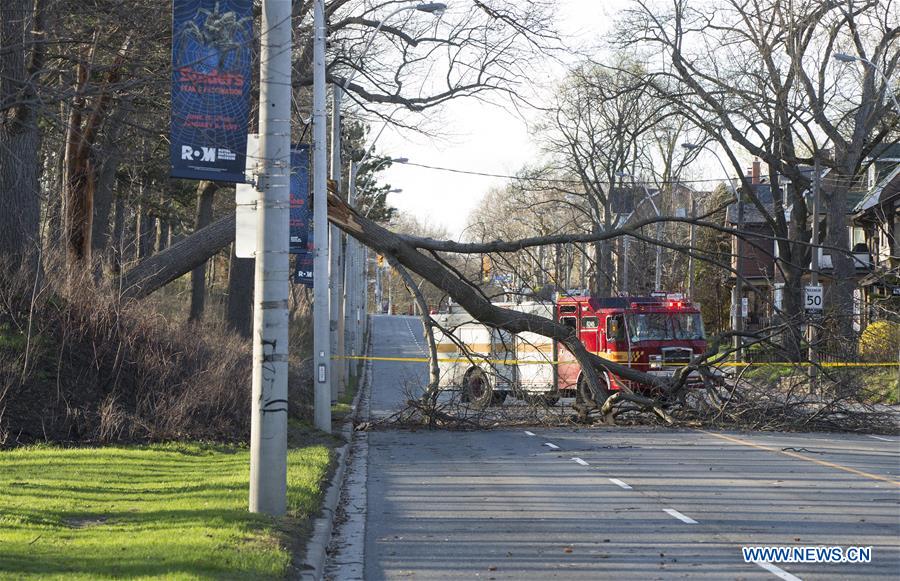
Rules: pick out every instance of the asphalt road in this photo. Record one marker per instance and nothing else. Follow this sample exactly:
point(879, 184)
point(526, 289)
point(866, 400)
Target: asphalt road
point(607, 503)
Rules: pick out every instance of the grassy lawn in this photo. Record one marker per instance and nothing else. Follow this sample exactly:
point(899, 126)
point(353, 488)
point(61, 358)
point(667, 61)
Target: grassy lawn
point(882, 386)
point(876, 384)
point(343, 406)
point(173, 511)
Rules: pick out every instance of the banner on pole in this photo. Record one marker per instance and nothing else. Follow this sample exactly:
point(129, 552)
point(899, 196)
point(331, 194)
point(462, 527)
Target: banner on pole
point(301, 216)
point(212, 42)
point(303, 268)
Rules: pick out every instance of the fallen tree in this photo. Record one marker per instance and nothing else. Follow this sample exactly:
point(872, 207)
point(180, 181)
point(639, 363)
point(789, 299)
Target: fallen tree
point(437, 272)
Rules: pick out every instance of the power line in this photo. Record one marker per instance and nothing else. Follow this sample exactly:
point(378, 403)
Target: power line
point(825, 179)
point(540, 179)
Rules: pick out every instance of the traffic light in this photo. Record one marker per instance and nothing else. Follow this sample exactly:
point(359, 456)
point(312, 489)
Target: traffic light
point(485, 268)
point(380, 261)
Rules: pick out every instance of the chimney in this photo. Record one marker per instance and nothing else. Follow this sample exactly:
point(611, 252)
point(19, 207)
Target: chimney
point(754, 175)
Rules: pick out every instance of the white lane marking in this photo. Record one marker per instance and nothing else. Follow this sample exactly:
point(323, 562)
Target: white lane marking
point(580, 461)
point(549, 445)
point(777, 571)
point(619, 483)
point(527, 433)
point(679, 516)
point(882, 439)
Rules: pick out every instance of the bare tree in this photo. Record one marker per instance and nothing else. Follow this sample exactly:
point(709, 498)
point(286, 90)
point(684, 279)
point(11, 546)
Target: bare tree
point(485, 49)
point(600, 131)
point(759, 77)
point(21, 58)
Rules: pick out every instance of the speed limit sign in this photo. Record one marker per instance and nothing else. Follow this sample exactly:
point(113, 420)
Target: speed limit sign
point(812, 298)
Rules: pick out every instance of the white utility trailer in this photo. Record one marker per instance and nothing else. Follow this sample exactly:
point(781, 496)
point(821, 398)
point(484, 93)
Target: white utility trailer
point(486, 364)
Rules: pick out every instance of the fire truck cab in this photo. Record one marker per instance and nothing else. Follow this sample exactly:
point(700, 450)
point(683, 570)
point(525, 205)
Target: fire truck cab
point(651, 334)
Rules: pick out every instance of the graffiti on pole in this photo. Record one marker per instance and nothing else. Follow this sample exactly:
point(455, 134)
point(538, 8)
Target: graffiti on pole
point(212, 42)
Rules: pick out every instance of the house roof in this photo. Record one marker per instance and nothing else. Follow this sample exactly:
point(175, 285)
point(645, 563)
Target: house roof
point(752, 215)
point(883, 191)
point(886, 152)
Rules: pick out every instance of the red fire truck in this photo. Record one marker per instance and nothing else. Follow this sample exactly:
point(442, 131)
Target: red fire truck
point(651, 334)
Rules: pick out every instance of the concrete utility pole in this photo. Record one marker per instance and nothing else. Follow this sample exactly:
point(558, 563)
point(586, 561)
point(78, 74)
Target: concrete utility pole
point(321, 340)
point(338, 258)
point(354, 286)
point(268, 429)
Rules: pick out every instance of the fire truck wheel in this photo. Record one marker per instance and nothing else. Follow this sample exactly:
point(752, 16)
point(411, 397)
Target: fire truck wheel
point(477, 390)
point(585, 392)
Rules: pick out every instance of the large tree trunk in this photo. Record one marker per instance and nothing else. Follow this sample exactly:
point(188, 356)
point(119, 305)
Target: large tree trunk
point(106, 183)
point(239, 307)
point(19, 134)
point(206, 191)
point(160, 269)
point(103, 200)
point(841, 299)
point(792, 307)
point(81, 168)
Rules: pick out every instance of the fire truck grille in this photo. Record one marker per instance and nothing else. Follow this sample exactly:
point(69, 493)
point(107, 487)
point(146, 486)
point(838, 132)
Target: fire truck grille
point(677, 355)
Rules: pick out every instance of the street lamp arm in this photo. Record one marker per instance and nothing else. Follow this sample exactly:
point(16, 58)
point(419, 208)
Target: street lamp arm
point(849, 58)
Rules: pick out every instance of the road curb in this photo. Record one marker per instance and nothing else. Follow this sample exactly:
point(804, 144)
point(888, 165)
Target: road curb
point(313, 564)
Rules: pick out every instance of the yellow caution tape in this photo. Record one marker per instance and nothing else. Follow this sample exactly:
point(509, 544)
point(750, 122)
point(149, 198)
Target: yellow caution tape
point(573, 362)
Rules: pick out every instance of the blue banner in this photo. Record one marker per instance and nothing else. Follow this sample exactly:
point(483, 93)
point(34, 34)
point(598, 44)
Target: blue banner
point(303, 268)
point(301, 214)
point(212, 44)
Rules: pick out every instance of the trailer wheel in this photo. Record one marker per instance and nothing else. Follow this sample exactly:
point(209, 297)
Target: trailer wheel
point(585, 392)
point(498, 397)
point(477, 390)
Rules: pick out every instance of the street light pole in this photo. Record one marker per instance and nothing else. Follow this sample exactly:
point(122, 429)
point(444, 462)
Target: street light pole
point(338, 309)
point(321, 340)
point(351, 291)
point(268, 426)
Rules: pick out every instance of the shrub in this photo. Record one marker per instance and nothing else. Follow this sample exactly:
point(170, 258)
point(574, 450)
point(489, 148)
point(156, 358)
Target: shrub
point(880, 341)
point(79, 364)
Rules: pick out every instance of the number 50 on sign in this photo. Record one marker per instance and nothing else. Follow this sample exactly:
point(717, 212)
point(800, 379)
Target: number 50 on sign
point(812, 298)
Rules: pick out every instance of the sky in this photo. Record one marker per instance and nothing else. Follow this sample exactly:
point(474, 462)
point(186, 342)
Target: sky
point(476, 136)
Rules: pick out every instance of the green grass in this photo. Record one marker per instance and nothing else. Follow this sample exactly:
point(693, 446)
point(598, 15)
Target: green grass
point(342, 406)
point(882, 386)
point(175, 511)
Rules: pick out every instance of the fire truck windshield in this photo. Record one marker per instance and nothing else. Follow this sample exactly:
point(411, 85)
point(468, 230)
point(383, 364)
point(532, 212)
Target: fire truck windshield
point(665, 326)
